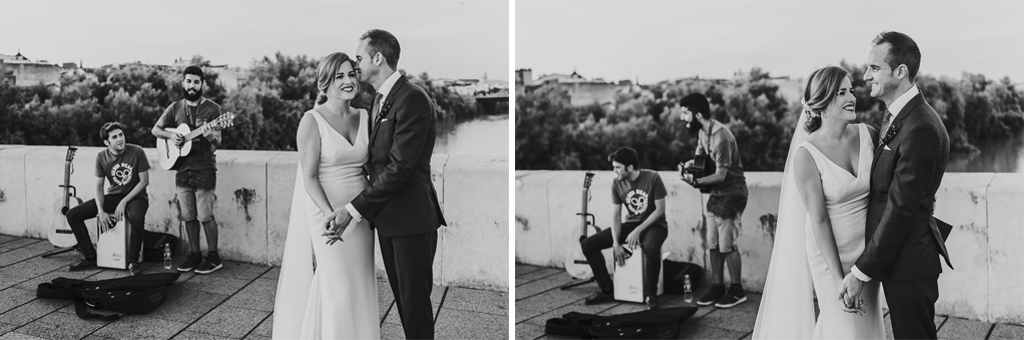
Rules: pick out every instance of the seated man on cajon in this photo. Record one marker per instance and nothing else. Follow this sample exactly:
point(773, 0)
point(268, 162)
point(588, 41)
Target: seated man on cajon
point(126, 167)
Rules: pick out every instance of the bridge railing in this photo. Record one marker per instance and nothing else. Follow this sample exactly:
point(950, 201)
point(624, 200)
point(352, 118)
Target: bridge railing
point(985, 244)
point(254, 193)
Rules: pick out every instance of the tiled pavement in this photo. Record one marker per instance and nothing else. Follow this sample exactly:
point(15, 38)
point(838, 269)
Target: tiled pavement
point(236, 302)
point(538, 299)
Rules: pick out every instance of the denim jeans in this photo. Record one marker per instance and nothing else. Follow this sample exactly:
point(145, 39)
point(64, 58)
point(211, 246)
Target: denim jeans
point(651, 240)
point(135, 220)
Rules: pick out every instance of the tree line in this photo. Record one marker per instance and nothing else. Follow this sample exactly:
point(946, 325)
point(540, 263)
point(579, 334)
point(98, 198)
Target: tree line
point(268, 104)
point(551, 134)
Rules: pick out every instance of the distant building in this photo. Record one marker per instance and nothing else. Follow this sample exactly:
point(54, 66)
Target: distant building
point(581, 91)
point(476, 87)
point(24, 72)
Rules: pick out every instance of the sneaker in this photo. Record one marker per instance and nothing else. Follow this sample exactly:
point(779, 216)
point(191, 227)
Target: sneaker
point(83, 265)
point(211, 264)
point(191, 262)
point(714, 294)
point(735, 296)
point(652, 302)
point(134, 270)
point(598, 298)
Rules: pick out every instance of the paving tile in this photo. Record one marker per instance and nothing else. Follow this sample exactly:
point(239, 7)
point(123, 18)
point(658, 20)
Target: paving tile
point(939, 321)
point(185, 305)
point(957, 328)
point(531, 289)
point(888, 327)
point(228, 321)
point(265, 328)
point(31, 311)
point(385, 298)
point(141, 327)
point(13, 297)
point(18, 255)
point(215, 284)
point(7, 281)
point(6, 238)
point(733, 320)
point(239, 270)
point(522, 281)
point(523, 269)
point(748, 336)
point(36, 266)
point(1005, 331)
point(62, 326)
point(696, 330)
point(108, 273)
point(95, 337)
point(391, 331)
point(258, 295)
point(553, 299)
point(452, 324)
point(256, 337)
point(625, 307)
point(18, 243)
point(528, 331)
point(19, 336)
point(523, 314)
point(273, 273)
point(4, 328)
point(187, 335)
point(541, 273)
point(475, 300)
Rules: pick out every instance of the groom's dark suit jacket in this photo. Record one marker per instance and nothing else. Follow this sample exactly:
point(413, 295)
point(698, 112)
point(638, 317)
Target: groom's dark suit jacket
point(400, 199)
point(903, 239)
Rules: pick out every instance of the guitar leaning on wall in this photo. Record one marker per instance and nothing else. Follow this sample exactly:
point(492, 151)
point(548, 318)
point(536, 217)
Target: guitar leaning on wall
point(60, 234)
point(169, 155)
point(575, 264)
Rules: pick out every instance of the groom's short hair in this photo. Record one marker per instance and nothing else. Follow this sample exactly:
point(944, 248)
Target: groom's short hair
point(902, 51)
point(697, 103)
point(384, 42)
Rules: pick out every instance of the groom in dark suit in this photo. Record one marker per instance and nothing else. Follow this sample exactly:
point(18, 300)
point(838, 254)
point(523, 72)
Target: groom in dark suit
point(903, 239)
point(400, 201)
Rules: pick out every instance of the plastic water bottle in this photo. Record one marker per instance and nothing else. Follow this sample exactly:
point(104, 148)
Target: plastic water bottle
point(167, 256)
point(687, 289)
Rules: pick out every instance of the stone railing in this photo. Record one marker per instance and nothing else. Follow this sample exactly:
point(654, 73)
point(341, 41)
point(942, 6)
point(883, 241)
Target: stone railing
point(984, 208)
point(254, 193)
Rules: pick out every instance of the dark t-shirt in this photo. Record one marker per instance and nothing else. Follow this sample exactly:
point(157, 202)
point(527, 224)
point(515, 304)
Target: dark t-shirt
point(726, 154)
point(202, 155)
point(122, 171)
point(639, 196)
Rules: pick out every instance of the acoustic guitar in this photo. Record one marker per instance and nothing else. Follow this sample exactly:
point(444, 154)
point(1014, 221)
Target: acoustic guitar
point(60, 234)
point(169, 156)
point(575, 263)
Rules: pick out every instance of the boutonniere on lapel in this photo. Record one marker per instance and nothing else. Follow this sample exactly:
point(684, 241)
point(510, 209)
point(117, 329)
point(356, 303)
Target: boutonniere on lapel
point(893, 129)
point(383, 110)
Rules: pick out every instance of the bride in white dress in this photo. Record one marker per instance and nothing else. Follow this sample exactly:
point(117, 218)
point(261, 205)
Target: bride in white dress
point(821, 222)
point(329, 291)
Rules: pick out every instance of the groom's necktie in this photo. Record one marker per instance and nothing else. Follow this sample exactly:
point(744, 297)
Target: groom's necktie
point(885, 127)
point(376, 105)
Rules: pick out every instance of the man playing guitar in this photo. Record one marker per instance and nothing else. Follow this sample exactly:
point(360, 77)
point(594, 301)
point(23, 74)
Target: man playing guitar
point(643, 193)
point(196, 176)
point(728, 189)
point(126, 167)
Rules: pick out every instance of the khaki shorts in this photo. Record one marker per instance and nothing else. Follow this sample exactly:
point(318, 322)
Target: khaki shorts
point(722, 233)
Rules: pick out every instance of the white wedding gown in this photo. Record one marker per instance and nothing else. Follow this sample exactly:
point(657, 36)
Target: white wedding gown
point(337, 300)
point(846, 197)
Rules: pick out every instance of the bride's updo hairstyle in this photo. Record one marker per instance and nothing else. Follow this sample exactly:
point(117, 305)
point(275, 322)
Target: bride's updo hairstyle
point(821, 89)
point(325, 73)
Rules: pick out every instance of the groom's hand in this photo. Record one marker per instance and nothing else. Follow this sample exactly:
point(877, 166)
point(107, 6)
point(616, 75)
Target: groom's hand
point(849, 293)
point(338, 221)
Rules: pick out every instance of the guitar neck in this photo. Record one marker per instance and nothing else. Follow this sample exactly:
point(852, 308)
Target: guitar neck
point(67, 182)
point(583, 216)
point(195, 133)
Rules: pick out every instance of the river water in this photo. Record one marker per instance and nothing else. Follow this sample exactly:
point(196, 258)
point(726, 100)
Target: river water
point(485, 136)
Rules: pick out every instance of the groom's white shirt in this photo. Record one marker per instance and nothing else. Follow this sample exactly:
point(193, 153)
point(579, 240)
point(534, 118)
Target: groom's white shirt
point(894, 109)
point(384, 89)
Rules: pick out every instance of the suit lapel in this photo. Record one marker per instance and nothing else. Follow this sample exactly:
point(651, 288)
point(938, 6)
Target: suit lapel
point(385, 107)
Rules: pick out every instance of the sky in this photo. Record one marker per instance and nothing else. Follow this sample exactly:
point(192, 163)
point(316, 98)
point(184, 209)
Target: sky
point(446, 39)
point(659, 40)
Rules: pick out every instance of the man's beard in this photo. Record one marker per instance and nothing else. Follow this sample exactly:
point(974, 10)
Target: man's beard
point(694, 126)
point(193, 97)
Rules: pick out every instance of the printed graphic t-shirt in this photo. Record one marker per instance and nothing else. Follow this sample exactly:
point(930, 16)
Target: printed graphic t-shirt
point(122, 171)
point(639, 196)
